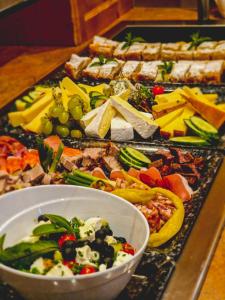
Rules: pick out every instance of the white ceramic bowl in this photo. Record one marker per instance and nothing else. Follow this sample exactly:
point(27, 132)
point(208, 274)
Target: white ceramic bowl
point(124, 219)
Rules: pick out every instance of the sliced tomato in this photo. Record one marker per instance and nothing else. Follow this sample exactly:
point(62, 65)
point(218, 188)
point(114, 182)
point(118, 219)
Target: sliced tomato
point(158, 90)
point(128, 248)
point(14, 164)
point(115, 174)
point(66, 237)
point(87, 270)
point(69, 263)
point(151, 177)
point(134, 173)
point(98, 172)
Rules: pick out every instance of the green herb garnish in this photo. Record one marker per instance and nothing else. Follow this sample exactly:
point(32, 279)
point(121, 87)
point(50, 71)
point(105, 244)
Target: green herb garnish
point(197, 40)
point(46, 229)
point(103, 61)
point(59, 221)
point(166, 68)
point(129, 40)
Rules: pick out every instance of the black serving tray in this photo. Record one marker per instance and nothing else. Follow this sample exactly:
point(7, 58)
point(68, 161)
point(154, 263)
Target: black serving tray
point(156, 268)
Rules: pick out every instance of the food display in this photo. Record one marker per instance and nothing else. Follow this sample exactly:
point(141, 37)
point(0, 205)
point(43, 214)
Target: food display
point(203, 71)
point(140, 120)
point(59, 247)
point(136, 48)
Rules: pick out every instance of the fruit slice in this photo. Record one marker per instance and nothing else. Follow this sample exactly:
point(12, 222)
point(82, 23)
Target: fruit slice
point(128, 161)
point(168, 118)
point(194, 129)
point(204, 126)
point(137, 155)
point(151, 177)
point(189, 140)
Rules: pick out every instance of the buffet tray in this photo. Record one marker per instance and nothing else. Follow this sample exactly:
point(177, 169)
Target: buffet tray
point(156, 276)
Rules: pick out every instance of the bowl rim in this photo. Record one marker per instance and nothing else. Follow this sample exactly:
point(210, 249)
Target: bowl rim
point(74, 277)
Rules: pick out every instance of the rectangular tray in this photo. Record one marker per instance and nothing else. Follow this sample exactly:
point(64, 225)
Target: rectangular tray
point(160, 264)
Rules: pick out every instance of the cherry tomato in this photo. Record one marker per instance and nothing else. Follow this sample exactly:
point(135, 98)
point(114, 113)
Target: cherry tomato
point(87, 270)
point(128, 248)
point(157, 90)
point(66, 237)
point(69, 263)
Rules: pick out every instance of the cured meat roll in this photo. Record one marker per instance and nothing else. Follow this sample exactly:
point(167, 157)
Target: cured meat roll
point(92, 71)
point(178, 73)
point(148, 71)
point(214, 71)
point(184, 52)
point(205, 51)
point(135, 51)
point(102, 46)
point(76, 64)
point(130, 69)
point(151, 51)
point(196, 72)
point(110, 70)
point(219, 51)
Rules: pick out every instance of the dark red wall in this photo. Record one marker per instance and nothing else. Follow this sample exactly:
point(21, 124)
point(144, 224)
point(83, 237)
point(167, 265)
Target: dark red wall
point(45, 22)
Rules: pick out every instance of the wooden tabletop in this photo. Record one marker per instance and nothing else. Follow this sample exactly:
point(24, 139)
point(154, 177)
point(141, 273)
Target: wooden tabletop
point(21, 67)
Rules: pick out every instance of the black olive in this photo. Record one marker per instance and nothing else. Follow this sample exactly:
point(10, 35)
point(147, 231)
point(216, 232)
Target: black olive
point(98, 245)
point(108, 261)
point(101, 234)
point(108, 231)
point(108, 251)
point(43, 218)
point(68, 250)
point(120, 239)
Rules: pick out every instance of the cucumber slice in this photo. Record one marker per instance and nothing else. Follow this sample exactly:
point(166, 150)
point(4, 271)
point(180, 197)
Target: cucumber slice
point(128, 161)
point(137, 155)
point(189, 140)
point(204, 126)
point(194, 129)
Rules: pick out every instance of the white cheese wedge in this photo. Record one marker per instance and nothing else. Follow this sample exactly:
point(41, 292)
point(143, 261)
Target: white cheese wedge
point(38, 265)
point(148, 115)
point(100, 125)
point(142, 124)
point(121, 130)
point(86, 119)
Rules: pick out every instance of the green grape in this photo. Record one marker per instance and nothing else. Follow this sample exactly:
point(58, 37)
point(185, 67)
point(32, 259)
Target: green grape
point(75, 133)
point(77, 113)
point(47, 127)
point(43, 121)
point(74, 101)
point(63, 117)
point(62, 130)
point(56, 111)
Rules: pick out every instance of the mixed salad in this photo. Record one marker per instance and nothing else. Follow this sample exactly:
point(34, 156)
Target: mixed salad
point(58, 247)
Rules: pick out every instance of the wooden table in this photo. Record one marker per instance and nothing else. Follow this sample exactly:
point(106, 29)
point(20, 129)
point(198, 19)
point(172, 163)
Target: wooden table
point(21, 67)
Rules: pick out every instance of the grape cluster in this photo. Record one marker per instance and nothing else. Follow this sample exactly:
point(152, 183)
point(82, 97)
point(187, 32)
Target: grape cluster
point(62, 122)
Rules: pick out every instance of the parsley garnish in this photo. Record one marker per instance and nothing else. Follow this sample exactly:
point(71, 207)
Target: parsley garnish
point(102, 61)
point(129, 40)
point(197, 40)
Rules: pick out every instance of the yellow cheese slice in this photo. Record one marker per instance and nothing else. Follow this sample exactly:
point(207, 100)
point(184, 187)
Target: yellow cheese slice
point(35, 124)
point(65, 98)
point(16, 118)
point(173, 96)
point(168, 105)
point(221, 106)
point(30, 113)
point(178, 127)
point(100, 125)
point(74, 89)
point(168, 118)
point(210, 112)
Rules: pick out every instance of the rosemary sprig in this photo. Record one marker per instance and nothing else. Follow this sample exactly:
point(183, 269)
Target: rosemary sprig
point(197, 40)
point(166, 68)
point(129, 40)
point(102, 61)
